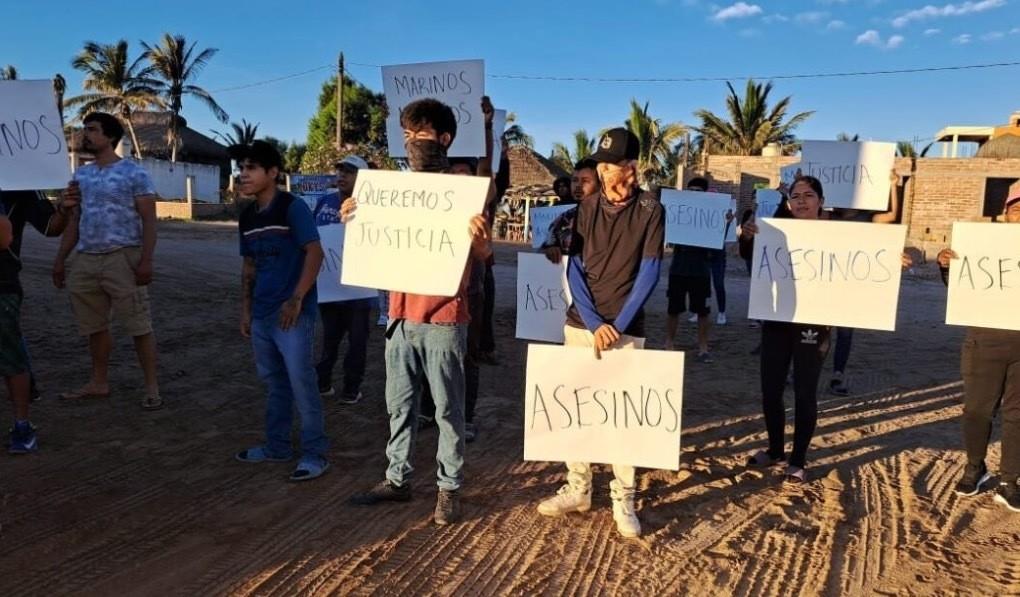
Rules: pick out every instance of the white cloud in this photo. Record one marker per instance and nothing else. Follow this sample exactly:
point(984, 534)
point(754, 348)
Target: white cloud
point(776, 18)
point(931, 32)
point(834, 25)
point(869, 38)
point(749, 32)
point(993, 35)
point(740, 10)
point(949, 10)
point(962, 39)
point(874, 38)
point(811, 18)
point(1014, 31)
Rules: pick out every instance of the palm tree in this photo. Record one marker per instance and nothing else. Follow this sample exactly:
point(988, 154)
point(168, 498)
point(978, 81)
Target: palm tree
point(847, 137)
point(657, 142)
point(565, 158)
point(243, 134)
point(59, 87)
point(114, 83)
point(751, 124)
point(515, 134)
point(176, 64)
point(8, 73)
point(905, 149)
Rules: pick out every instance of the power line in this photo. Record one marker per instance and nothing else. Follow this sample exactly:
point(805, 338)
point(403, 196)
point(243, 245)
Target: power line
point(587, 79)
point(275, 80)
point(705, 79)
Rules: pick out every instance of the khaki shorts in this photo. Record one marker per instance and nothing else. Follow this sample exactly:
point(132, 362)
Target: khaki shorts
point(102, 286)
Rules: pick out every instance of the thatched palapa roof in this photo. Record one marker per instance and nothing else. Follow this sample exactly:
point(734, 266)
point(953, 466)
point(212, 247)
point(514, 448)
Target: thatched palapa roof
point(151, 130)
point(531, 174)
point(1003, 147)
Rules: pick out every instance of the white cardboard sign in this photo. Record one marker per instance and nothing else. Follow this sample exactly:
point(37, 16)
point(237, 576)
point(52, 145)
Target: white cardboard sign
point(768, 201)
point(541, 218)
point(33, 152)
point(854, 175)
point(410, 232)
point(984, 281)
point(458, 84)
point(328, 285)
point(695, 218)
point(622, 409)
point(543, 297)
point(820, 272)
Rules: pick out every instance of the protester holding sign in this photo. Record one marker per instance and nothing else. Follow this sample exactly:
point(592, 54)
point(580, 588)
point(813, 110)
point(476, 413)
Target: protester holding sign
point(282, 257)
point(13, 356)
point(426, 338)
point(839, 384)
point(805, 345)
point(31, 207)
point(583, 184)
point(615, 254)
point(350, 318)
point(690, 287)
point(990, 364)
point(113, 237)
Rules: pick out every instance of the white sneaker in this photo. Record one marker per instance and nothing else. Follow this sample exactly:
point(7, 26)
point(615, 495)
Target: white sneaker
point(567, 499)
point(720, 319)
point(627, 522)
point(693, 318)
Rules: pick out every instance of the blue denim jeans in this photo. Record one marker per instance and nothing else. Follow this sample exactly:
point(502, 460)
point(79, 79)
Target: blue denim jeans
point(284, 360)
point(416, 352)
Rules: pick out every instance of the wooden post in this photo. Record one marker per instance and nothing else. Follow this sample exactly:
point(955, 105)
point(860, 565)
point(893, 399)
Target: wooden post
point(189, 188)
point(340, 103)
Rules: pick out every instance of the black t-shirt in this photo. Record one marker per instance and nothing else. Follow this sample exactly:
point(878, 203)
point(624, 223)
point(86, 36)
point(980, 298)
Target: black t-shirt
point(10, 265)
point(612, 241)
point(26, 207)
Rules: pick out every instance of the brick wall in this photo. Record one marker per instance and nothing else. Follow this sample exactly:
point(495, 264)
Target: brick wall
point(938, 191)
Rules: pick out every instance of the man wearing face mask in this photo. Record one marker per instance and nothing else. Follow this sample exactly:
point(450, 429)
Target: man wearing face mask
point(426, 339)
point(615, 254)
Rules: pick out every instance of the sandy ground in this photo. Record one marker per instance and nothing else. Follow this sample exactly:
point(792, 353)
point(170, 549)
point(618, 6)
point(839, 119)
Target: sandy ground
point(125, 502)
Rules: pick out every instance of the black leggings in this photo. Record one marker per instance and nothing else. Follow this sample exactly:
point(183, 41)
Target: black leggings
point(806, 346)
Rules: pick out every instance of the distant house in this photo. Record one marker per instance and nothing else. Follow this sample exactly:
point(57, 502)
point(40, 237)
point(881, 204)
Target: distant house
point(531, 174)
point(992, 141)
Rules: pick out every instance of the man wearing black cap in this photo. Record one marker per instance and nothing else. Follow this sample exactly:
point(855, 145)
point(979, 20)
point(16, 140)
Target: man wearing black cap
point(282, 256)
point(615, 253)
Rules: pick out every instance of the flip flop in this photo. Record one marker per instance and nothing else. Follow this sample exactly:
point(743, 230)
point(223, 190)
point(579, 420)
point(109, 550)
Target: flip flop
point(152, 402)
point(795, 474)
point(762, 458)
point(82, 393)
point(258, 454)
point(309, 469)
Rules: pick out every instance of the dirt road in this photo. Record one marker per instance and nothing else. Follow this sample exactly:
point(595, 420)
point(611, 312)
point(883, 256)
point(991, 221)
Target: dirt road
point(125, 502)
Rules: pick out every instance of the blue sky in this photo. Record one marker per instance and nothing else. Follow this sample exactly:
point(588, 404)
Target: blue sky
point(639, 39)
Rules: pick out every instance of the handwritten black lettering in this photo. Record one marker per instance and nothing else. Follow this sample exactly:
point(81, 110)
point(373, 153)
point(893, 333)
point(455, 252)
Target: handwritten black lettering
point(409, 237)
point(539, 401)
point(566, 411)
point(819, 265)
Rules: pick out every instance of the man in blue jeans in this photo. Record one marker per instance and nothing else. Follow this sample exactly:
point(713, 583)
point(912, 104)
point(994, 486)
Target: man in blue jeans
point(282, 256)
point(426, 339)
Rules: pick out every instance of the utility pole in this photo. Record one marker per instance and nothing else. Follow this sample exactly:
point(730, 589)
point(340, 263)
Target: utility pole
point(340, 103)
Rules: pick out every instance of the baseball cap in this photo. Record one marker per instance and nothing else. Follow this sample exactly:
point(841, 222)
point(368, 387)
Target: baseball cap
point(1013, 197)
point(353, 161)
point(262, 153)
point(617, 145)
